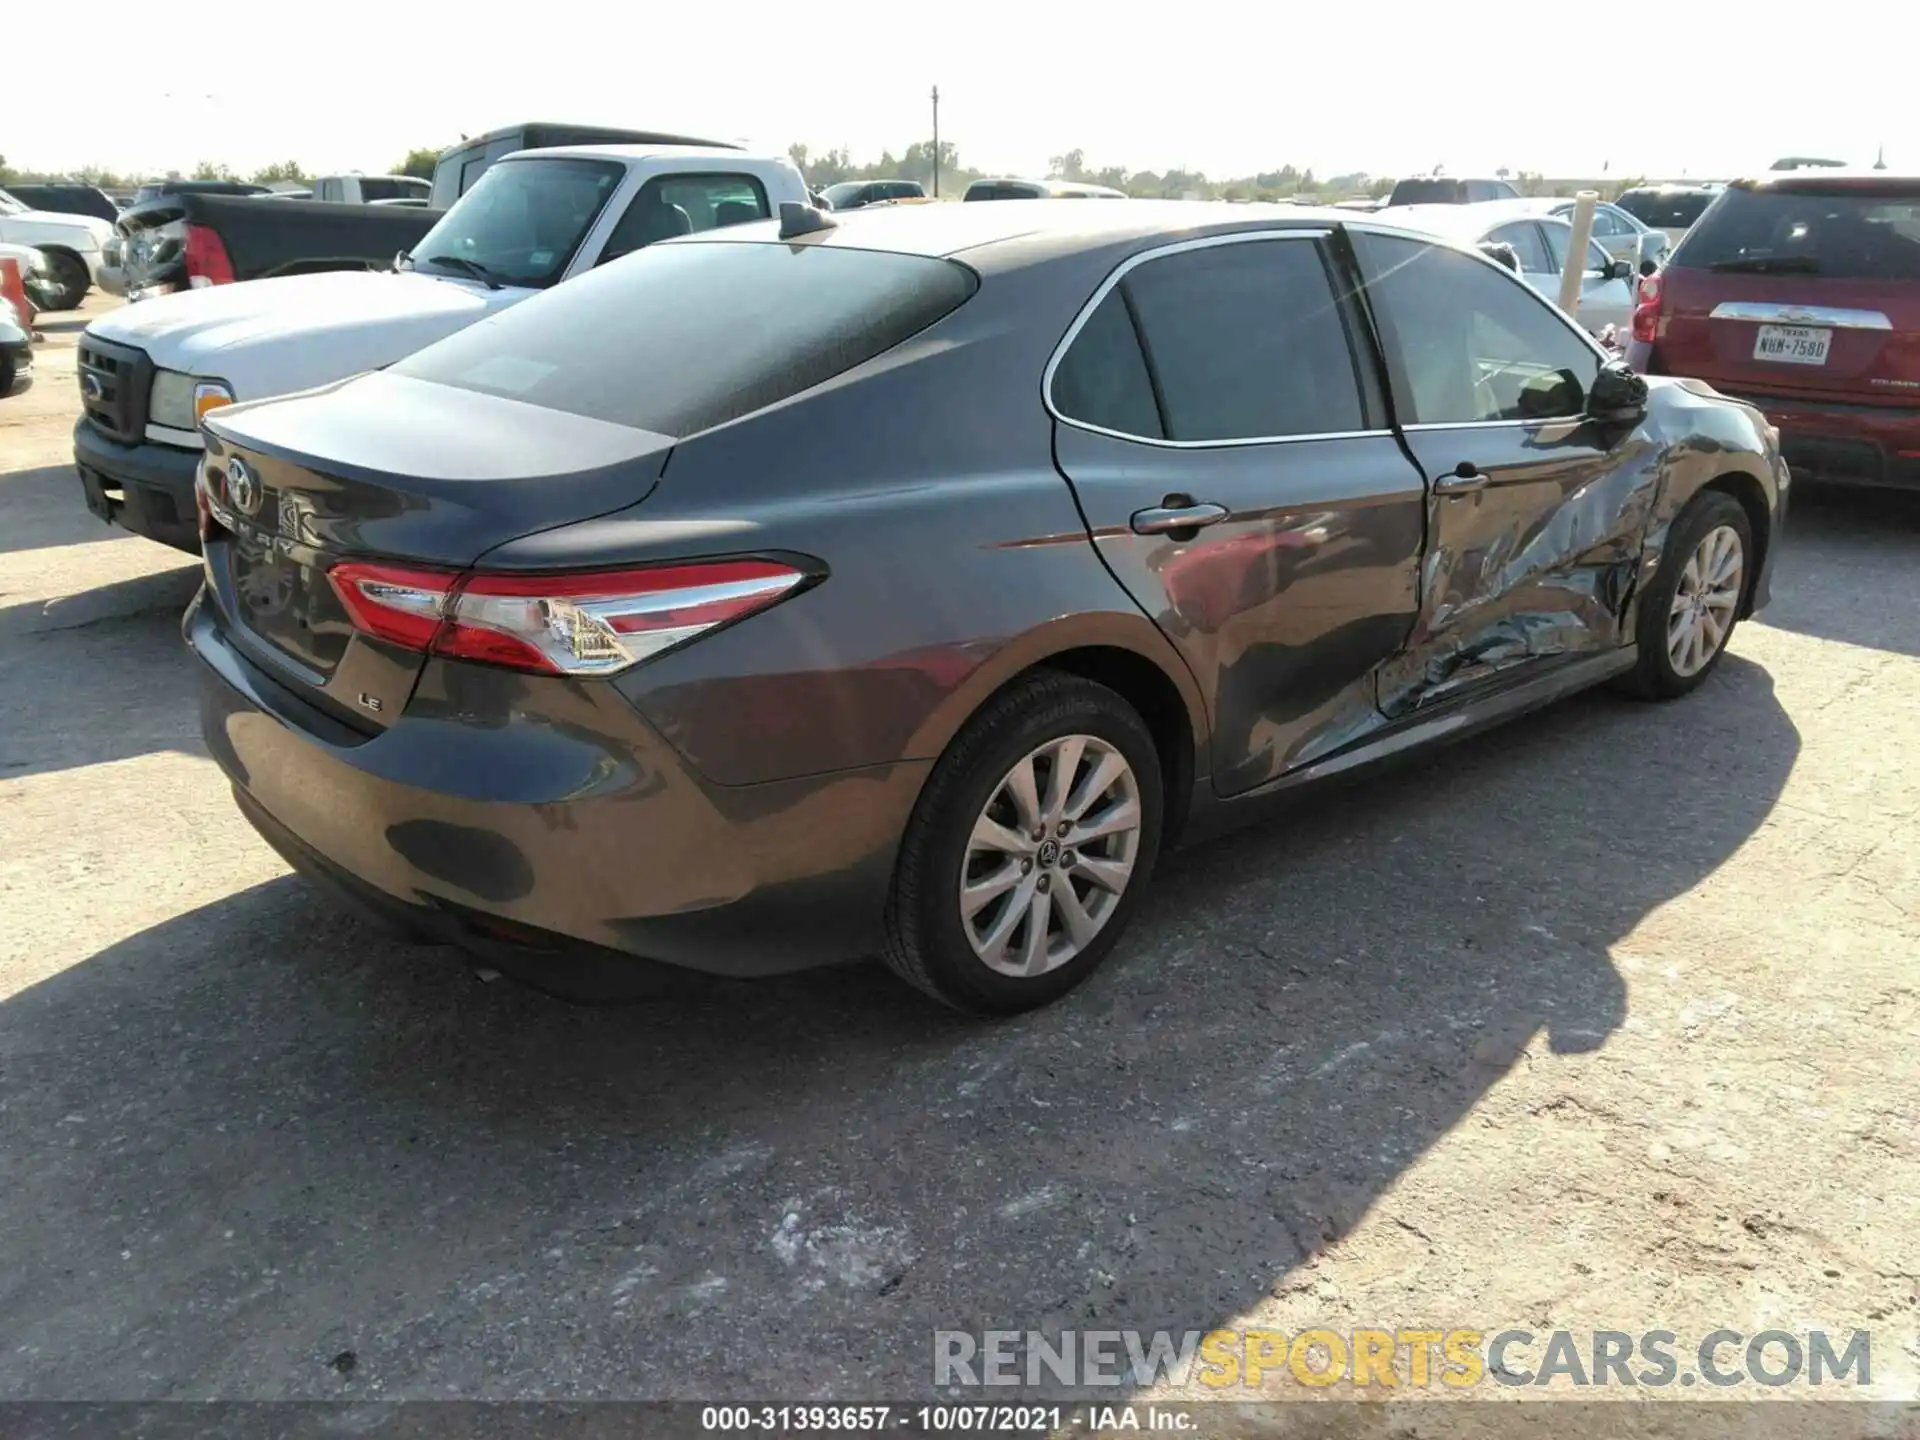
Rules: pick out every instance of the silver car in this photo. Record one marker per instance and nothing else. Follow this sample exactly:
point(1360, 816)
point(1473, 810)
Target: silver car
point(1540, 243)
point(1617, 232)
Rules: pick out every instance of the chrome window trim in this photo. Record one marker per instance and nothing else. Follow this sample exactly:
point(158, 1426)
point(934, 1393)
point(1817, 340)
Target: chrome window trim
point(1106, 287)
point(1831, 316)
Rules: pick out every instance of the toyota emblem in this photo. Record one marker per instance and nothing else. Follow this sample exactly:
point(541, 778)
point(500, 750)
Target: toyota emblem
point(243, 488)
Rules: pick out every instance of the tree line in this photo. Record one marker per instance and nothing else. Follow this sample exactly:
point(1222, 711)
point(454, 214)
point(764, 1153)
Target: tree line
point(916, 162)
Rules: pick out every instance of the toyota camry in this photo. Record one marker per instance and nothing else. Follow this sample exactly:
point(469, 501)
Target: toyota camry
point(904, 583)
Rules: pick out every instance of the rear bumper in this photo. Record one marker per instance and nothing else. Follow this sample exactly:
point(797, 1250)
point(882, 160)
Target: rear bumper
point(1846, 444)
point(555, 819)
point(145, 488)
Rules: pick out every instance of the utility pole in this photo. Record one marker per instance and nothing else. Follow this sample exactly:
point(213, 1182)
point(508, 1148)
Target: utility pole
point(936, 142)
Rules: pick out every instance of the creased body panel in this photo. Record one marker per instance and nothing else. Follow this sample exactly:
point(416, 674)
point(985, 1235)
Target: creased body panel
point(1536, 564)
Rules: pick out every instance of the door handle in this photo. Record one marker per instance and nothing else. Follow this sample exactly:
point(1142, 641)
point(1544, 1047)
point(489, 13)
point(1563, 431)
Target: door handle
point(1178, 513)
point(1463, 479)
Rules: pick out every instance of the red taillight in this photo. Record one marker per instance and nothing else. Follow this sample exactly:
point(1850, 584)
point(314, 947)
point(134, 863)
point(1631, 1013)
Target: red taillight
point(581, 624)
point(395, 602)
point(206, 258)
point(597, 623)
point(1646, 314)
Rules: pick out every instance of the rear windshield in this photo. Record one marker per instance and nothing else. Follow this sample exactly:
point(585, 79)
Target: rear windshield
point(677, 338)
point(1841, 234)
point(1001, 190)
point(1665, 212)
point(1428, 192)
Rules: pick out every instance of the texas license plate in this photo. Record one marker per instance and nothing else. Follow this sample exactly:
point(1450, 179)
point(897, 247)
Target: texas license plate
point(1793, 344)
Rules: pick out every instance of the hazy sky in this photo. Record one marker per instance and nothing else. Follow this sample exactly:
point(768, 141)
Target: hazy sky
point(1665, 87)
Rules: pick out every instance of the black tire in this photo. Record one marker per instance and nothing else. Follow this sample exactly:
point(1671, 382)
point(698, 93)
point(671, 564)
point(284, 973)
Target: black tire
point(927, 944)
point(70, 276)
point(9, 375)
point(1654, 676)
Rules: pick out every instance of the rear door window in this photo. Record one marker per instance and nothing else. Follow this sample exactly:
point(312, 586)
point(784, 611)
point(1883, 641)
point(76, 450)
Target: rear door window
point(1102, 380)
point(684, 337)
point(1844, 235)
point(1240, 341)
point(1524, 237)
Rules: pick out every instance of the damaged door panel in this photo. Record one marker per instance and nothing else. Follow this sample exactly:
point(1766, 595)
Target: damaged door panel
point(1534, 536)
point(1224, 433)
point(1536, 512)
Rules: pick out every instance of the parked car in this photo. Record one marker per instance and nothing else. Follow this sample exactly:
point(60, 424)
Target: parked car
point(1800, 293)
point(67, 199)
point(16, 353)
point(191, 241)
point(1446, 190)
point(38, 289)
point(460, 166)
point(852, 194)
point(1040, 190)
point(1614, 231)
point(1807, 162)
point(71, 244)
point(366, 189)
point(1670, 209)
point(665, 615)
point(149, 372)
point(1540, 244)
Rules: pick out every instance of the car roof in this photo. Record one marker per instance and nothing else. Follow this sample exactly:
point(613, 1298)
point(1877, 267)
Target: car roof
point(1812, 181)
point(998, 237)
point(1464, 222)
point(636, 152)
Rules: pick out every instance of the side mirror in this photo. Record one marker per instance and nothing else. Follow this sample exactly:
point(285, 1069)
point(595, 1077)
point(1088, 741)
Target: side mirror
point(1618, 270)
point(1618, 395)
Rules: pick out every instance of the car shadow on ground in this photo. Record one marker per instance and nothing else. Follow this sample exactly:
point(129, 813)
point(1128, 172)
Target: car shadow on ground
point(45, 509)
point(1872, 537)
point(258, 1137)
point(98, 676)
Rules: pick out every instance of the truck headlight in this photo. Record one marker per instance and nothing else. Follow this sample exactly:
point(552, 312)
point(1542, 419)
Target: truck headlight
point(170, 402)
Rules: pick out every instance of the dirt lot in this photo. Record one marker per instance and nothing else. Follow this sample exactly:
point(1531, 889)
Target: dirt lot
point(1607, 1020)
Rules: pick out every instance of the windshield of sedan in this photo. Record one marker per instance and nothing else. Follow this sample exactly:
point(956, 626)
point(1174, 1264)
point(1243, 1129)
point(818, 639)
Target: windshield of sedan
point(1871, 235)
point(521, 222)
point(10, 206)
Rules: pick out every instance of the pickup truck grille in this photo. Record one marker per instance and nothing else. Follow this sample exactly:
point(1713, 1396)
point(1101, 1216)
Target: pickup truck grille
point(114, 381)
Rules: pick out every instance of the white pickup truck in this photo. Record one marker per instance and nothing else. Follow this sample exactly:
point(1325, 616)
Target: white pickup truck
point(148, 372)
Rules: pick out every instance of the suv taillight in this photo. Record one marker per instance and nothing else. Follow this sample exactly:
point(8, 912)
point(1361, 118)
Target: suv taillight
point(1646, 313)
point(206, 258)
point(592, 623)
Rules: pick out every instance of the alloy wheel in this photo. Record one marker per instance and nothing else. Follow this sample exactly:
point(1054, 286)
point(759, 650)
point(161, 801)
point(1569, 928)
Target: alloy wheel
point(1705, 601)
point(1050, 855)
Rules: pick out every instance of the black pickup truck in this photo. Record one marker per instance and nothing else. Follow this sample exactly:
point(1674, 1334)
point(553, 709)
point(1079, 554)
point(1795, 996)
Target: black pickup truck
point(182, 240)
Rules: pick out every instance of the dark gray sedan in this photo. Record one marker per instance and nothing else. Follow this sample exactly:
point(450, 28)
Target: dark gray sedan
point(906, 584)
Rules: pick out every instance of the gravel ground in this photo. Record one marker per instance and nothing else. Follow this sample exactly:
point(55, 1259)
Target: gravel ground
point(1605, 1020)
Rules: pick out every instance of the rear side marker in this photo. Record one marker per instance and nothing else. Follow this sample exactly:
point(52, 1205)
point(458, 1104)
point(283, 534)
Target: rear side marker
point(595, 623)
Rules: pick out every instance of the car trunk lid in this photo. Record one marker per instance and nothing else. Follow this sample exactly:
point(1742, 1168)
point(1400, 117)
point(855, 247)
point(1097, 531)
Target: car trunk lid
point(422, 476)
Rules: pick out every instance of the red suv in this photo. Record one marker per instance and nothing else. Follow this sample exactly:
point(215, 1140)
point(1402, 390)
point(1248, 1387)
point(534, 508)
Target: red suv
point(1800, 293)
